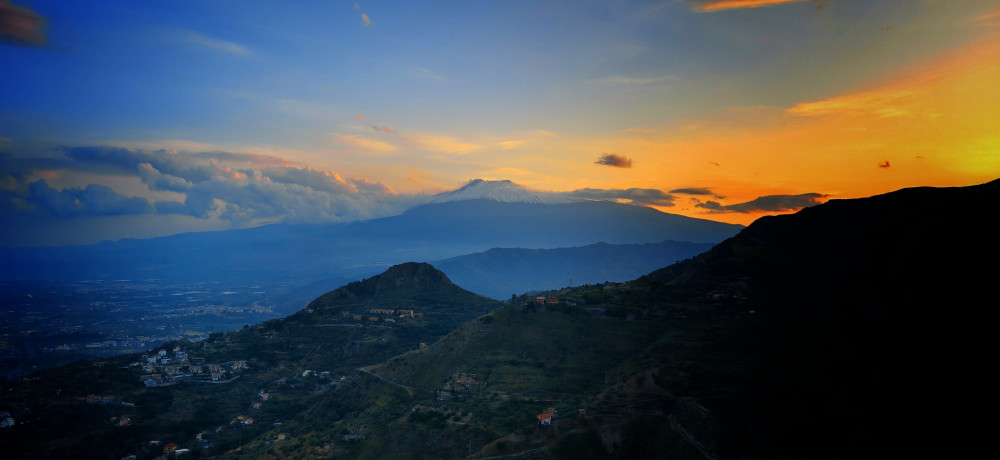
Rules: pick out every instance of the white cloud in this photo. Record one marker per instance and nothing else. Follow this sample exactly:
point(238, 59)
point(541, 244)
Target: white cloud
point(215, 44)
point(427, 74)
point(366, 143)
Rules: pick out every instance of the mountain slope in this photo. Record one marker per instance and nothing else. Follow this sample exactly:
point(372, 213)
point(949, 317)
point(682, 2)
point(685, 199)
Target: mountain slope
point(532, 225)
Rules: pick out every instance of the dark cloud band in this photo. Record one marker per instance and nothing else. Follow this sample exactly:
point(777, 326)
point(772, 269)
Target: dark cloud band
point(635, 196)
point(614, 159)
point(94, 200)
point(20, 25)
point(696, 191)
point(770, 203)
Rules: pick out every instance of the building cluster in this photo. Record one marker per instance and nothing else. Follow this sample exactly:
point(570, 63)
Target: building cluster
point(545, 418)
point(382, 315)
point(354, 435)
point(169, 449)
point(544, 300)
point(163, 368)
point(105, 400)
point(122, 421)
point(242, 419)
point(456, 386)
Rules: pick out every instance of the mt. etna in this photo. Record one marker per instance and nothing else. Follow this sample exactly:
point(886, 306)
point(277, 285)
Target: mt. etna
point(499, 190)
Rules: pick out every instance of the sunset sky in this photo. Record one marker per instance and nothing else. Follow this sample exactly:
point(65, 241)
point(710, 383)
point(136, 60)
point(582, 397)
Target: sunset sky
point(143, 118)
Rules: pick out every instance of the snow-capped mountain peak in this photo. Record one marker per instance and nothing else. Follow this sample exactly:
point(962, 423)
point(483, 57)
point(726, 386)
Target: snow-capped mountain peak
point(498, 190)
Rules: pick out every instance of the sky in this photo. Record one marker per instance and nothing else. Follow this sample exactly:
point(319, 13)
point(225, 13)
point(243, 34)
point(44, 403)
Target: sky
point(138, 119)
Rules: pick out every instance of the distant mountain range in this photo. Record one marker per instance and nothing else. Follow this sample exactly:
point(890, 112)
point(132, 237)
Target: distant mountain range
point(857, 328)
point(304, 253)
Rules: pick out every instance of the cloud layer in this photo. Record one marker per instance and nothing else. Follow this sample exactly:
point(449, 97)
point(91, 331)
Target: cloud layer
point(769, 203)
point(696, 191)
point(708, 6)
point(235, 187)
point(634, 196)
point(94, 200)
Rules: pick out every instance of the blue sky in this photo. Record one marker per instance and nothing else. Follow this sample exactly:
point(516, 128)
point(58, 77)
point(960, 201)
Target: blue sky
point(390, 101)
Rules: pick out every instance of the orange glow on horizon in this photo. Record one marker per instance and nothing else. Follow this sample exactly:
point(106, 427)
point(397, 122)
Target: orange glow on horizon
point(934, 125)
point(719, 5)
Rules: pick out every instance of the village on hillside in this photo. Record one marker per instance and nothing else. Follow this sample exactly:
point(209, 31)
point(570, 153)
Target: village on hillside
point(162, 368)
point(381, 315)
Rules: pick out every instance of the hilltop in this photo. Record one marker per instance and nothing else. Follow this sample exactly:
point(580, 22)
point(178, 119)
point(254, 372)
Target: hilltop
point(401, 284)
